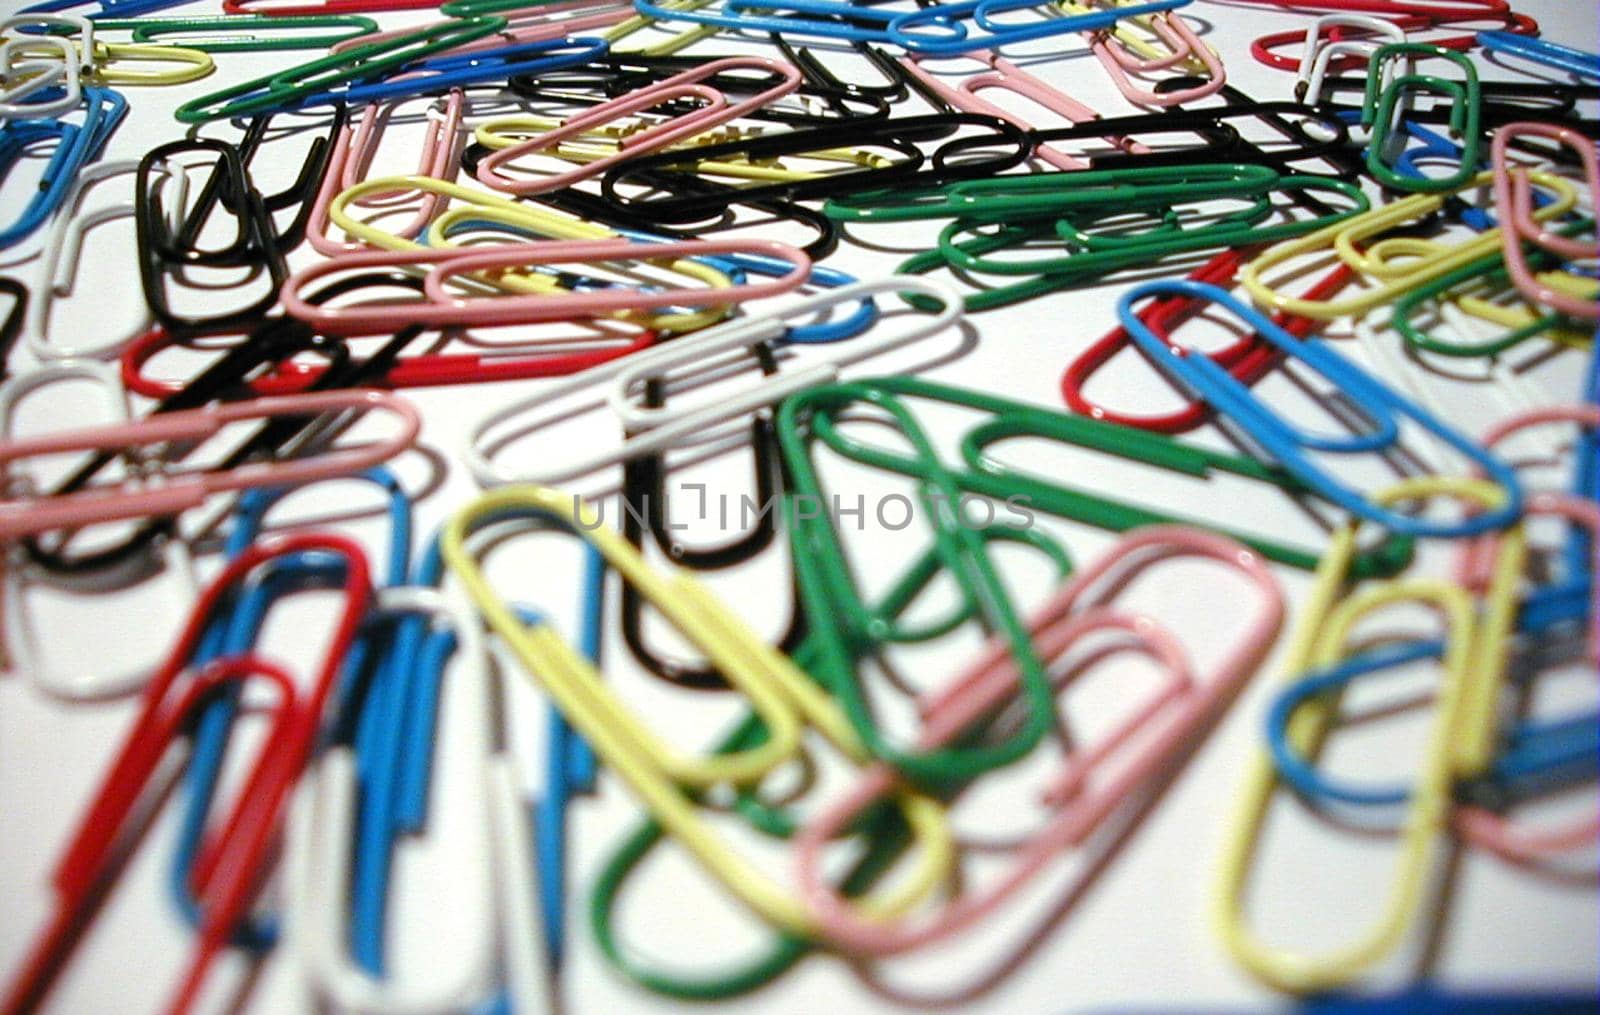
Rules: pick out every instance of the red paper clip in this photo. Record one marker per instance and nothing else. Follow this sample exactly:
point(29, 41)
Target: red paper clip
point(231, 866)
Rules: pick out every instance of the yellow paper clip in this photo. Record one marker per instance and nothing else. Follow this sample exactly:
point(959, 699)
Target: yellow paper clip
point(1476, 643)
point(475, 205)
point(1396, 264)
point(785, 699)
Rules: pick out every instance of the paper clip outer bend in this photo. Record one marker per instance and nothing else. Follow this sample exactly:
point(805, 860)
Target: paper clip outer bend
point(1320, 640)
point(680, 86)
point(1396, 265)
point(657, 429)
point(783, 697)
point(1381, 407)
point(27, 655)
point(26, 515)
point(441, 307)
point(1188, 705)
point(234, 860)
point(1513, 197)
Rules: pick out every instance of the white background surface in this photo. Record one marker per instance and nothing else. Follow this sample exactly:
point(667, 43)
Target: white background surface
point(1136, 935)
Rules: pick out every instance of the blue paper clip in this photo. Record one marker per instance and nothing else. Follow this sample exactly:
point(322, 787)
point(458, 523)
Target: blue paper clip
point(1382, 407)
point(935, 30)
point(1427, 999)
point(1533, 750)
point(235, 630)
point(108, 8)
point(1542, 51)
point(949, 37)
point(440, 74)
point(76, 146)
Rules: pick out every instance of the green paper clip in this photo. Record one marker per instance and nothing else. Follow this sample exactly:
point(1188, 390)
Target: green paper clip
point(285, 89)
point(243, 33)
point(1378, 113)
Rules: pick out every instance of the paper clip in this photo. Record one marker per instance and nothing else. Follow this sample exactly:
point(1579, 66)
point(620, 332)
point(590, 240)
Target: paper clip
point(886, 838)
point(1182, 46)
point(27, 652)
point(286, 89)
point(785, 699)
point(1397, 264)
point(1320, 54)
point(326, 832)
point(356, 145)
point(1186, 707)
point(985, 474)
point(1380, 111)
point(255, 243)
point(1001, 143)
point(845, 630)
point(26, 515)
point(1531, 751)
point(60, 264)
point(680, 86)
point(235, 632)
point(645, 499)
point(130, 8)
point(243, 33)
point(40, 76)
point(654, 429)
point(1567, 59)
point(1248, 359)
point(11, 324)
point(1513, 197)
point(234, 860)
point(1003, 75)
point(443, 304)
point(476, 206)
point(1381, 408)
point(288, 8)
point(75, 146)
point(1471, 647)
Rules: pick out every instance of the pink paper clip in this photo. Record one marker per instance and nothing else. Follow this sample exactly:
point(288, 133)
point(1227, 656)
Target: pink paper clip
point(232, 865)
point(538, 23)
point(443, 307)
point(1481, 826)
point(1489, 829)
point(1160, 732)
point(158, 494)
point(1513, 196)
point(1474, 567)
point(352, 155)
point(686, 85)
point(1003, 75)
point(1183, 42)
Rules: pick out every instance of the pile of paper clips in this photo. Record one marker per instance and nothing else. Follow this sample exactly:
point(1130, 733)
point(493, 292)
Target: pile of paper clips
point(605, 196)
